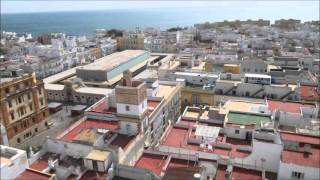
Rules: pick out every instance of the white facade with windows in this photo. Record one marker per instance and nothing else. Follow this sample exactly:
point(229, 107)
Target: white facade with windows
point(132, 109)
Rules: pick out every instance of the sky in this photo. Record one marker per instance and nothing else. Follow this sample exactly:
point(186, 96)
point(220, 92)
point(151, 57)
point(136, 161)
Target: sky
point(10, 6)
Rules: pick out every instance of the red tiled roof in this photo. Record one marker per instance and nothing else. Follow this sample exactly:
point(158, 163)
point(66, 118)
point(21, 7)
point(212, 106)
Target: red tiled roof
point(187, 122)
point(309, 92)
point(153, 104)
point(29, 174)
point(90, 123)
point(39, 165)
point(311, 159)
point(177, 137)
point(180, 163)
point(152, 162)
point(93, 175)
point(286, 106)
point(242, 173)
point(287, 136)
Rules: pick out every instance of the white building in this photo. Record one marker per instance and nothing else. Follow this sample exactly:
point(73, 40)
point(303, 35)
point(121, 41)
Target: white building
point(300, 157)
point(13, 162)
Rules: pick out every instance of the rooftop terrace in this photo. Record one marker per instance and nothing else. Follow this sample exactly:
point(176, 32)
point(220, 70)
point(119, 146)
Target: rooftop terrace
point(242, 173)
point(29, 174)
point(71, 133)
point(247, 119)
point(152, 162)
point(299, 156)
point(178, 137)
point(291, 107)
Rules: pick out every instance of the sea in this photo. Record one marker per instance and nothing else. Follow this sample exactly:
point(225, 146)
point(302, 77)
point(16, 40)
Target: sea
point(86, 22)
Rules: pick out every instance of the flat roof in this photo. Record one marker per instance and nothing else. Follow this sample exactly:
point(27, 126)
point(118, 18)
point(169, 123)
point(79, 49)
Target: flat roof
point(243, 106)
point(94, 90)
point(306, 139)
point(243, 173)
point(5, 161)
point(60, 76)
point(78, 107)
point(86, 135)
point(113, 60)
point(246, 119)
point(309, 92)
point(207, 131)
point(54, 104)
point(232, 65)
point(148, 73)
point(292, 107)
point(165, 90)
point(74, 129)
point(54, 87)
point(299, 157)
point(170, 65)
point(178, 137)
point(194, 74)
point(257, 75)
point(152, 162)
point(98, 155)
point(33, 174)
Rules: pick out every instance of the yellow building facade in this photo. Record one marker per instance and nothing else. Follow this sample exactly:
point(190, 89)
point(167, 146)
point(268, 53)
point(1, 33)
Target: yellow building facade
point(231, 68)
point(23, 109)
point(196, 96)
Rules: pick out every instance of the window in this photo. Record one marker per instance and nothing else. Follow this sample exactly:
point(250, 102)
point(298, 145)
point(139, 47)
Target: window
point(18, 140)
point(21, 111)
point(30, 107)
point(237, 131)
point(19, 99)
point(298, 175)
point(12, 115)
point(41, 102)
point(44, 114)
point(29, 96)
point(33, 120)
point(15, 129)
point(127, 108)
point(10, 103)
point(39, 90)
point(36, 130)
point(7, 91)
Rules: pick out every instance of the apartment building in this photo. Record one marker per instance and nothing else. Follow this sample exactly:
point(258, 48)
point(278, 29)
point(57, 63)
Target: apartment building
point(23, 107)
point(131, 41)
point(112, 133)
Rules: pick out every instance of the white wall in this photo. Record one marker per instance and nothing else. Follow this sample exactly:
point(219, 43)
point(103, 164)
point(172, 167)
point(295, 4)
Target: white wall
point(67, 148)
point(230, 132)
point(19, 164)
point(310, 173)
point(133, 109)
point(123, 128)
point(271, 152)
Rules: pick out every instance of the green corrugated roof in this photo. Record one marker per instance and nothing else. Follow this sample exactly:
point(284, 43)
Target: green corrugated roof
point(246, 119)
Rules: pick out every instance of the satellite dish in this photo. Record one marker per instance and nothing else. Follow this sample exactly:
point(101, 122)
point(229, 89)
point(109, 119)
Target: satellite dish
point(197, 175)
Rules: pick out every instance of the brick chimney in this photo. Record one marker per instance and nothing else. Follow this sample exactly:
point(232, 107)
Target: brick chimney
point(127, 78)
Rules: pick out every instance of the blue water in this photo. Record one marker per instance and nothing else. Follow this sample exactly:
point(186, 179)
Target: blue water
point(85, 22)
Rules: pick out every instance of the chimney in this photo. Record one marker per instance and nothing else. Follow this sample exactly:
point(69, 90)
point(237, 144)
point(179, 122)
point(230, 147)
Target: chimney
point(306, 150)
point(127, 78)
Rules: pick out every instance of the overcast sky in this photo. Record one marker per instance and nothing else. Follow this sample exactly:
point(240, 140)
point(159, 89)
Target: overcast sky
point(8, 6)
